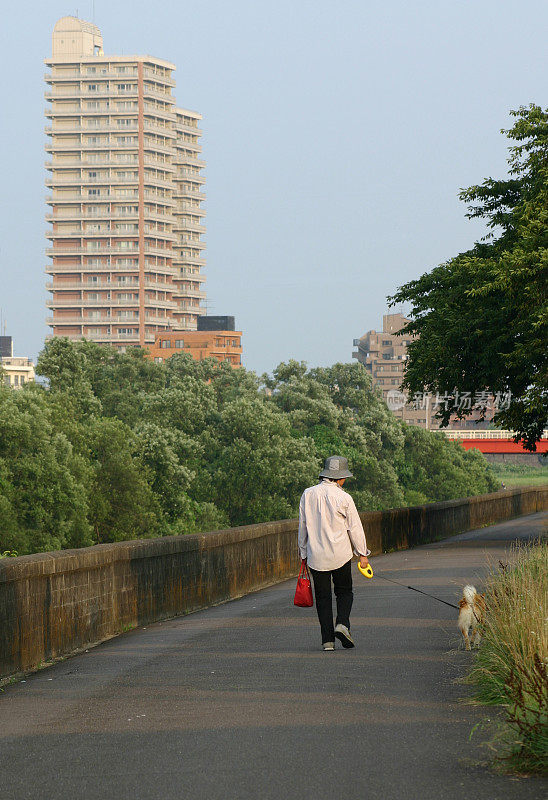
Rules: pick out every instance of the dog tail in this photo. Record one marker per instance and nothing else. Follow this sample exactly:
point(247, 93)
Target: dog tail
point(469, 592)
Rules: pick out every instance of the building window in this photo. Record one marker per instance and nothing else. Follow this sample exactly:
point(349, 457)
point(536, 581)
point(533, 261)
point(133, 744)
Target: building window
point(179, 343)
point(158, 359)
point(165, 343)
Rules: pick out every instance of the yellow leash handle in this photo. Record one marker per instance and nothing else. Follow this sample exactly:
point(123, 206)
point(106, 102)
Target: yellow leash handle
point(367, 571)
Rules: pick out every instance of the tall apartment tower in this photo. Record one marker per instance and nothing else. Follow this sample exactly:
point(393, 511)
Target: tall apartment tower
point(126, 193)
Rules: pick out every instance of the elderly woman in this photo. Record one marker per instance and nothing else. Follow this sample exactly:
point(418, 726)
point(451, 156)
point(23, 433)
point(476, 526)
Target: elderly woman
point(330, 532)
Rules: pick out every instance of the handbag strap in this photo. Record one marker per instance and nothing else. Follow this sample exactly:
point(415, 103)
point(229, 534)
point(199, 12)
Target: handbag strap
point(303, 572)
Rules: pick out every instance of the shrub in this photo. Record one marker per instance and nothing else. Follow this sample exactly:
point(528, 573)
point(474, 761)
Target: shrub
point(512, 663)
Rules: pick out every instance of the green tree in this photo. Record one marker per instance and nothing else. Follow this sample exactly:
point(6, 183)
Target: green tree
point(432, 468)
point(118, 447)
point(43, 496)
point(122, 504)
point(337, 408)
point(482, 317)
point(257, 469)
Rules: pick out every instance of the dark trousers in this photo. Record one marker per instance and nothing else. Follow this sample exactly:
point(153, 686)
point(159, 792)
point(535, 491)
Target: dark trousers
point(342, 583)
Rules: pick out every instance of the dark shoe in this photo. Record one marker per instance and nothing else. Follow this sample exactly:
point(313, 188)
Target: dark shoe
point(343, 635)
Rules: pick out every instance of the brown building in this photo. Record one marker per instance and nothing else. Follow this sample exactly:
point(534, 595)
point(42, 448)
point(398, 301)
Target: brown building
point(221, 345)
point(384, 353)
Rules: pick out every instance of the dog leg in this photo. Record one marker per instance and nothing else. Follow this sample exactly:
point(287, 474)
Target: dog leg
point(466, 639)
point(477, 638)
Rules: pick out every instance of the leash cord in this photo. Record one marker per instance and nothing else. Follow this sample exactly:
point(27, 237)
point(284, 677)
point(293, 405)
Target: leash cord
point(451, 605)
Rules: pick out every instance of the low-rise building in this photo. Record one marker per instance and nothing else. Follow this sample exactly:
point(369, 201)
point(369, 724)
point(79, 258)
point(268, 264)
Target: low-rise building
point(216, 338)
point(15, 370)
point(384, 353)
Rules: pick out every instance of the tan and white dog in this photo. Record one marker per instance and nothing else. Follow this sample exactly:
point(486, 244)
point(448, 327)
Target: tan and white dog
point(471, 614)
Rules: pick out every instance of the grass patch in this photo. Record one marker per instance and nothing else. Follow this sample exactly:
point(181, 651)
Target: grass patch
point(511, 668)
point(514, 475)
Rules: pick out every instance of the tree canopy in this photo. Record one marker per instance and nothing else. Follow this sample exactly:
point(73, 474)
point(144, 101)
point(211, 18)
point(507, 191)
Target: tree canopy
point(119, 447)
point(482, 317)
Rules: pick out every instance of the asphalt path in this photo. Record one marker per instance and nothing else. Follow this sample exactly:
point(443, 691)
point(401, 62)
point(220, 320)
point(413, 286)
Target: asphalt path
point(239, 701)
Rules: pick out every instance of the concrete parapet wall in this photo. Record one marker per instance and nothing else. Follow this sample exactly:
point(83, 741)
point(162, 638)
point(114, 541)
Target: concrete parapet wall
point(54, 604)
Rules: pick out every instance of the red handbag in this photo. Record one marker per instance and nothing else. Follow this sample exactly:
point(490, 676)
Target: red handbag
point(303, 592)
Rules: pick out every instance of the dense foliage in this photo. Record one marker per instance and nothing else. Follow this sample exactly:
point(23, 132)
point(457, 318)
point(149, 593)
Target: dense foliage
point(482, 317)
point(119, 447)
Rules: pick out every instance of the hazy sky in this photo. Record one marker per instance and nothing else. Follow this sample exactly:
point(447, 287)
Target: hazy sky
point(336, 135)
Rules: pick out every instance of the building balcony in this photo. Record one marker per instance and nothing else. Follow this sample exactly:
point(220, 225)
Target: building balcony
point(182, 262)
point(83, 180)
point(183, 192)
point(152, 111)
point(159, 200)
point(81, 269)
point(158, 147)
point(197, 244)
point(157, 233)
point(86, 233)
point(184, 128)
point(151, 75)
point(110, 144)
point(190, 177)
point(195, 227)
point(156, 216)
point(79, 197)
point(184, 208)
point(159, 129)
point(186, 274)
point(152, 320)
point(189, 307)
point(189, 161)
point(104, 303)
point(108, 338)
point(196, 294)
point(84, 251)
point(83, 75)
point(111, 286)
point(159, 251)
point(183, 144)
point(149, 90)
point(77, 163)
point(162, 183)
point(77, 320)
point(108, 111)
point(104, 215)
point(158, 163)
point(77, 127)
point(114, 302)
point(69, 92)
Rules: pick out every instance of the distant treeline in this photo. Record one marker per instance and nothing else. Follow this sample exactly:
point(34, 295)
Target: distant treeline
point(120, 447)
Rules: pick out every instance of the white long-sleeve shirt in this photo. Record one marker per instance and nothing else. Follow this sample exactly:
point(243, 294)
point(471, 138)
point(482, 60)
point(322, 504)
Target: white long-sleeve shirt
point(330, 529)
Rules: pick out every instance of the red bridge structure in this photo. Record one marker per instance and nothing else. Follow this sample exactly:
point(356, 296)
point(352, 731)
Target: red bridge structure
point(500, 443)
